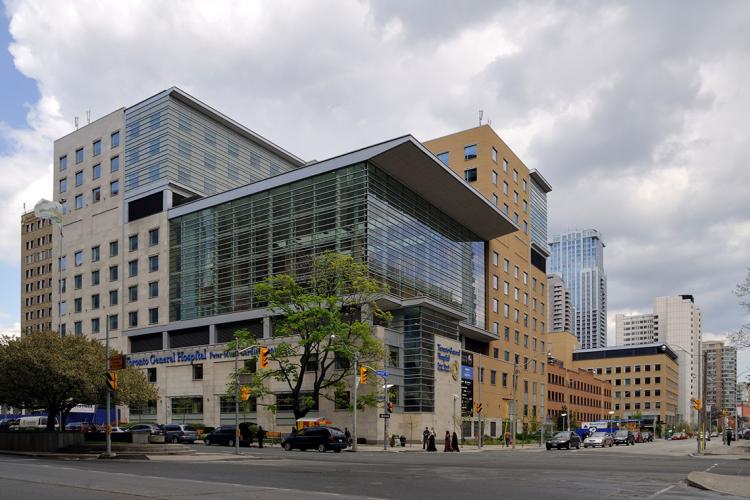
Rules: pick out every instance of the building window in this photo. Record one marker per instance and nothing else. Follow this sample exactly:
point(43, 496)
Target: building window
point(77, 305)
point(470, 152)
point(153, 289)
point(153, 315)
point(79, 178)
point(96, 195)
point(113, 297)
point(494, 305)
point(94, 278)
point(493, 377)
point(113, 249)
point(151, 374)
point(77, 282)
point(505, 188)
point(505, 379)
point(495, 282)
point(153, 237)
point(506, 355)
point(95, 301)
point(494, 199)
point(133, 268)
point(506, 311)
point(470, 174)
point(113, 322)
point(506, 265)
point(78, 326)
point(63, 184)
point(95, 325)
point(79, 155)
point(443, 157)
point(496, 328)
point(113, 273)
point(506, 287)
point(494, 178)
point(505, 165)
point(78, 256)
point(494, 155)
point(133, 293)
point(114, 139)
point(96, 171)
point(506, 334)
point(114, 164)
point(63, 162)
point(79, 201)
point(133, 242)
point(132, 319)
point(95, 254)
point(515, 176)
point(495, 258)
point(114, 188)
point(97, 147)
point(153, 263)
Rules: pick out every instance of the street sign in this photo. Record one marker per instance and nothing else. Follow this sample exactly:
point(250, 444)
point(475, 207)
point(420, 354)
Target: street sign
point(117, 362)
point(246, 378)
point(381, 373)
point(384, 415)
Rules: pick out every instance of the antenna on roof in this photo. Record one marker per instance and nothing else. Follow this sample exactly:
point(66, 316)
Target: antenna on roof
point(75, 120)
point(88, 116)
point(481, 113)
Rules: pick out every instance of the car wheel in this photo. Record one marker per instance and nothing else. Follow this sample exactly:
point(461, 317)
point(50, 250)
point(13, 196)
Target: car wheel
point(230, 443)
point(175, 440)
point(207, 442)
point(288, 446)
point(322, 448)
point(549, 448)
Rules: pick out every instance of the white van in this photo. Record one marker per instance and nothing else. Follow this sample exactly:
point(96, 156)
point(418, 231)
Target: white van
point(28, 423)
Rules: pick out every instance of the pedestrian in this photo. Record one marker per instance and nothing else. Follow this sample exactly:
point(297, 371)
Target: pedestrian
point(245, 434)
point(729, 437)
point(348, 436)
point(507, 439)
point(447, 446)
point(431, 443)
point(425, 438)
point(261, 434)
point(454, 442)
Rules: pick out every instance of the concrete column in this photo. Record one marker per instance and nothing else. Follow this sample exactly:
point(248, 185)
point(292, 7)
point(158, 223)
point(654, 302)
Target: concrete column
point(212, 334)
point(165, 340)
point(266, 327)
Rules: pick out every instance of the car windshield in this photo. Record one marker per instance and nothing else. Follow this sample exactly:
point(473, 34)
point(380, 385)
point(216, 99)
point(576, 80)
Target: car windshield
point(599, 434)
point(561, 435)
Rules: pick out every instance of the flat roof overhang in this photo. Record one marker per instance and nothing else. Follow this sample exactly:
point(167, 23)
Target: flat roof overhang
point(409, 162)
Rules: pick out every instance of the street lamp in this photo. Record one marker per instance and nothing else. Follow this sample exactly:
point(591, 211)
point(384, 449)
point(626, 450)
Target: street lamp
point(611, 416)
point(565, 418)
point(356, 383)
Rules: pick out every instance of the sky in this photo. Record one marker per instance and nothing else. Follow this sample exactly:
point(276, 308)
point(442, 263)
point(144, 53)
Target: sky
point(636, 112)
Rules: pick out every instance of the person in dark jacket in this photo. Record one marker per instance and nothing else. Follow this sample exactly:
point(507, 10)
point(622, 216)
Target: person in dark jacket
point(729, 437)
point(431, 443)
point(425, 438)
point(447, 446)
point(454, 442)
point(261, 434)
point(348, 436)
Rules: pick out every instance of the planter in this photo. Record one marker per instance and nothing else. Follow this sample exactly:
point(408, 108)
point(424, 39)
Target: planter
point(156, 439)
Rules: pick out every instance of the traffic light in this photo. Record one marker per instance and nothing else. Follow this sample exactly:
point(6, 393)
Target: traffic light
point(244, 393)
point(697, 404)
point(478, 408)
point(390, 407)
point(362, 375)
point(263, 357)
point(112, 380)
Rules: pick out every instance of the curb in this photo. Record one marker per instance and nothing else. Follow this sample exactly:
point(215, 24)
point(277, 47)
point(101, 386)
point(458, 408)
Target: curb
point(720, 483)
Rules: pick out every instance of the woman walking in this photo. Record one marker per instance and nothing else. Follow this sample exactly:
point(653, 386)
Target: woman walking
point(447, 441)
point(431, 443)
point(454, 442)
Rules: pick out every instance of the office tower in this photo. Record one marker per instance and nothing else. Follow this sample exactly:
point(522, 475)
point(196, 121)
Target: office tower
point(578, 256)
point(634, 329)
point(561, 315)
point(720, 389)
point(516, 275)
point(36, 273)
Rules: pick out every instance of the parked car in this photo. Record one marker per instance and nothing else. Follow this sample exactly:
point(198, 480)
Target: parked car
point(7, 424)
point(321, 438)
point(624, 437)
point(153, 429)
point(678, 436)
point(176, 433)
point(565, 440)
point(117, 430)
point(647, 437)
point(598, 439)
point(745, 434)
point(223, 435)
point(33, 423)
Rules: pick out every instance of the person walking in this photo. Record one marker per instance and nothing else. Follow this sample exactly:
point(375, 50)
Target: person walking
point(431, 443)
point(348, 436)
point(425, 438)
point(447, 446)
point(729, 437)
point(261, 434)
point(507, 439)
point(454, 442)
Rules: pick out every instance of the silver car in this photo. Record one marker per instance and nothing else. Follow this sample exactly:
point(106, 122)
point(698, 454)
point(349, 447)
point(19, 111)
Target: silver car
point(180, 433)
point(598, 439)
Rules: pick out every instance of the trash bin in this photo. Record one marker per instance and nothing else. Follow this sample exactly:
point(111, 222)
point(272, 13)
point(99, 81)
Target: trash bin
point(403, 441)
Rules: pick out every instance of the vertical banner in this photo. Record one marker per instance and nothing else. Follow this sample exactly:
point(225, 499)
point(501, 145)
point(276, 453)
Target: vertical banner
point(467, 384)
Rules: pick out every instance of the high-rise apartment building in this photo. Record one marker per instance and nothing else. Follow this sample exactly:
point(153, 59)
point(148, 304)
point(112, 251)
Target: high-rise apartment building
point(578, 256)
point(720, 379)
point(516, 274)
point(676, 322)
point(36, 274)
point(635, 329)
point(561, 316)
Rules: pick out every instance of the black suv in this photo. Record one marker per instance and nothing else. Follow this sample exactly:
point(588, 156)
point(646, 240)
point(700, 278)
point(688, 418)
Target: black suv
point(176, 433)
point(318, 438)
point(624, 437)
point(565, 440)
point(223, 435)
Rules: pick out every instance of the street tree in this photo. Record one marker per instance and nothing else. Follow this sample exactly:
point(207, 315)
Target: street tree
point(741, 338)
point(46, 370)
point(322, 320)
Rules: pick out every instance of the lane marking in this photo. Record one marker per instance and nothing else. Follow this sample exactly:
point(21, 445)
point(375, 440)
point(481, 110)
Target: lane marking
point(663, 490)
point(714, 465)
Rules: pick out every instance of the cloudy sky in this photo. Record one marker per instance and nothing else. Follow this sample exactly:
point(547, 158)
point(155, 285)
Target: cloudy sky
point(637, 112)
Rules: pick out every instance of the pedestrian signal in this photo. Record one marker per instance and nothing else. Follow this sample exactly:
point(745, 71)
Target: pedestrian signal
point(362, 375)
point(390, 407)
point(263, 361)
point(244, 393)
point(112, 380)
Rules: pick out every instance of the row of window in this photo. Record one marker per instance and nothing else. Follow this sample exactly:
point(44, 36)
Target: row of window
point(637, 381)
point(42, 240)
point(559, 397)
point(153, 318)
point(96, 150)
point(627, 369)
point(576, 385)
point(38, 299)
point(114, 250)
point(38, 314)
point(39, 270)
point(637, 394)
point(38, 285)
point(637, 406)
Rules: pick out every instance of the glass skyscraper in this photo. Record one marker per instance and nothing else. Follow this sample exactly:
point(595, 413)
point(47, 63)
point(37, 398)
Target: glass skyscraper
point(578, 256)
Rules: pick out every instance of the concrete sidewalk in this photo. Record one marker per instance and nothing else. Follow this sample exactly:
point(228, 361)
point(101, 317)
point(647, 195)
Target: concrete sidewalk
point(738, 450)
point(720, 483)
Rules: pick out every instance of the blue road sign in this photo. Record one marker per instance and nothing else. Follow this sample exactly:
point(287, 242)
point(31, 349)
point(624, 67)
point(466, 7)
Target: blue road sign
point(381, 373)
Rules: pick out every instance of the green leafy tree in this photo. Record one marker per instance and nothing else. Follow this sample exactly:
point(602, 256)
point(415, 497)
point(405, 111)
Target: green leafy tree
point(741, 338)
point(45, 370)
point(319, 327)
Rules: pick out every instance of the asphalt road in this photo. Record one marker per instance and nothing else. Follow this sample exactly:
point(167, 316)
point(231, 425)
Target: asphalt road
point(274, 474)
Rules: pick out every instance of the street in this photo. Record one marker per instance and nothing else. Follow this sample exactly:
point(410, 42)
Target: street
point(642, 471)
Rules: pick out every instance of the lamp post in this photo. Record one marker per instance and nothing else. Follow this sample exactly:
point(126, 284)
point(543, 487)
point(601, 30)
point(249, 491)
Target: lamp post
point(611, 416)
point(237, 353)
point(514, 405)
point(564, 415)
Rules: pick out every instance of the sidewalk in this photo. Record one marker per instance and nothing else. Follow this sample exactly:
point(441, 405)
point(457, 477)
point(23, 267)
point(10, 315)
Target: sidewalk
point(468, 448)
point(729, 485)
point(738, 450)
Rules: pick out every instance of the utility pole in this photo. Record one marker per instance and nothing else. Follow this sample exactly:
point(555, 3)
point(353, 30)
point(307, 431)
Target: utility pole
point(356, 383)
point(108, 448)
point(479, 394)
point(236, 396)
